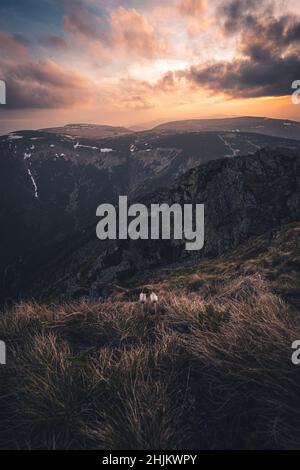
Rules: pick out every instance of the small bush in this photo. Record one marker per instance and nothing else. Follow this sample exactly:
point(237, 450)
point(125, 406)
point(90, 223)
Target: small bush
point(211, 318)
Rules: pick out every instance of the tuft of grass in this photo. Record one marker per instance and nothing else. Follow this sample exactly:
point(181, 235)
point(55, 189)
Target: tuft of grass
point(200, 373)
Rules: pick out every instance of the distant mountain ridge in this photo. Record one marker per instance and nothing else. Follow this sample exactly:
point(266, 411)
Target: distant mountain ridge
point(284, 128)
point(260, 125)
point(89, 131)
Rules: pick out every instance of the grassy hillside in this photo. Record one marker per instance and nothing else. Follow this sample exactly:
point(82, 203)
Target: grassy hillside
point(210, 369)
point(274, 255)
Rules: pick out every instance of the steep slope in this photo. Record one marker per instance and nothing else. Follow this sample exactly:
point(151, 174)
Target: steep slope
point(243, 197)
point(53, 183)
point(274, 256)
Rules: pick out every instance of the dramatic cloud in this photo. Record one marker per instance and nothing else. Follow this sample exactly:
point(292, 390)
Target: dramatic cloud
point(133, 32)
point(43, 85)
point(84, 23)
point(119, 31)
point(243, 78)
point(237, 15)
point(130, 57)
point(12, 47)
point(34, 83)
point(268, 53)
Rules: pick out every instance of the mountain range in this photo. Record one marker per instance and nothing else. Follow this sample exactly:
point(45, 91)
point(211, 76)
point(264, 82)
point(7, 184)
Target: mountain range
point(267, 126)
point(54, 179)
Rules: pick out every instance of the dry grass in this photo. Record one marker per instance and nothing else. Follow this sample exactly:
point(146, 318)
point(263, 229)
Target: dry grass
point(213, 373)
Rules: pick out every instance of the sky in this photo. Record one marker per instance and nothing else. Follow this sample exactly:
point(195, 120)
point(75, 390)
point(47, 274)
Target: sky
point(130, 62)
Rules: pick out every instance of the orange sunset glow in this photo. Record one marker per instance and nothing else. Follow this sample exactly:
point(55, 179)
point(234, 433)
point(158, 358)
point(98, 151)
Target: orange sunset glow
point(140, 63)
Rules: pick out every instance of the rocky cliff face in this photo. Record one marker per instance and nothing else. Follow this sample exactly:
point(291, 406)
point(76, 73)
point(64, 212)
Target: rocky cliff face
point(243, 197)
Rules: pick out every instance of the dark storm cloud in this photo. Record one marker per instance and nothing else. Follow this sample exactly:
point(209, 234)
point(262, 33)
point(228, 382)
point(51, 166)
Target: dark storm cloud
point(256, 21)
point(237, 14)
point(269, 50)
point(246, 78)
point(42, 85)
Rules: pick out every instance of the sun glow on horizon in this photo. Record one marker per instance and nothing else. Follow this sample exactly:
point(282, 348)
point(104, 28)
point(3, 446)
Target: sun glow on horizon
point(128, 62)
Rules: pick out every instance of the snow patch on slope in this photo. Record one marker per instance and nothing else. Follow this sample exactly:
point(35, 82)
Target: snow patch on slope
point(27, 156)
point(14, 137)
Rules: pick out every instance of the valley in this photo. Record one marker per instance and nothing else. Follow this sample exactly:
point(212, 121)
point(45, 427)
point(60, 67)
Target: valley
point(53, 181)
